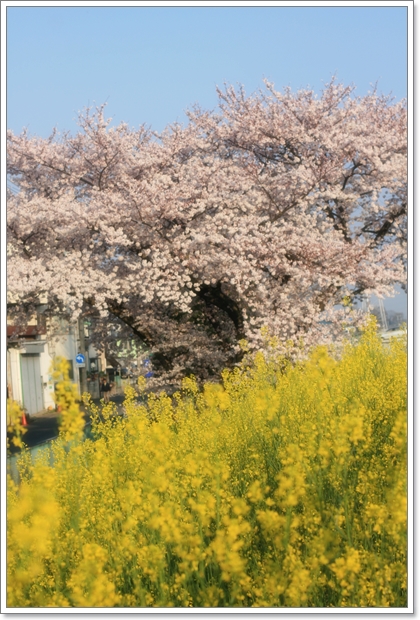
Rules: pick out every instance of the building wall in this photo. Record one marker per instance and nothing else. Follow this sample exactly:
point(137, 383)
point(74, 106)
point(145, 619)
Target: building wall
point(64, 345)
point(61, 340)
point(15, 375)
point(46, 378)
point(67, 347)
point(15, 379)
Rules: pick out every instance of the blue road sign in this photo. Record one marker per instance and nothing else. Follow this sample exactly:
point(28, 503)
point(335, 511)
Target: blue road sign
point(80, 359)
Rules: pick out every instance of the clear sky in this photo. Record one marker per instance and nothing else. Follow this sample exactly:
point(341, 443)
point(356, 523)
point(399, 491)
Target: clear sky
point(152, 63)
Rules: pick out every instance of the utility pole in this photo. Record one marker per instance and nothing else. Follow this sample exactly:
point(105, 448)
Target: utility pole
point(383, 315)
point(365, 304)
point(82, 350)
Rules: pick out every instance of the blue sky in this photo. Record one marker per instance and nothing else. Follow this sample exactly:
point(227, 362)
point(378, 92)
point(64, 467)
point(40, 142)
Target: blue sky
point(152, 63)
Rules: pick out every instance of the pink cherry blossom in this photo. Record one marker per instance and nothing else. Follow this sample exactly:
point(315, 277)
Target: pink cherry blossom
point(265, 213)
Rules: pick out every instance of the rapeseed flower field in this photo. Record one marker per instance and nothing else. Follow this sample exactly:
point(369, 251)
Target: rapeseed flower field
point(283, 486)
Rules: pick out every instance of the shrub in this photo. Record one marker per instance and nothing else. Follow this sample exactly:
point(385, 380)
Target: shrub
point(283, 486)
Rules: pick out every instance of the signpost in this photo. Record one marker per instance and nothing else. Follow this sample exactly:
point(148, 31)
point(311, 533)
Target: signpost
point(82, 354)
point(148, 367)
point(80, 360)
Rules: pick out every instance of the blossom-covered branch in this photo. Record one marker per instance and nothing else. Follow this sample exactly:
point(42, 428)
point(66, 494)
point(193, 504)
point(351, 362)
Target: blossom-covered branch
point(265, 213)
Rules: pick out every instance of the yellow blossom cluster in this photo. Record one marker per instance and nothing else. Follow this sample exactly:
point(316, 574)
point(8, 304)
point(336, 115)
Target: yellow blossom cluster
point(283, 486)
point(15, 428)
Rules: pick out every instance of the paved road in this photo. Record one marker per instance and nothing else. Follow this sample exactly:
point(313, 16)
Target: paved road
point(44, 426)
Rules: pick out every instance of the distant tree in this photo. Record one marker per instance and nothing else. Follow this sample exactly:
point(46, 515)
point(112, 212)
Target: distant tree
point(267, 212)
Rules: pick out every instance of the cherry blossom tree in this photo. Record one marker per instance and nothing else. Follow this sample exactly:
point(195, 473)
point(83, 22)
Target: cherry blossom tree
point(265, 213)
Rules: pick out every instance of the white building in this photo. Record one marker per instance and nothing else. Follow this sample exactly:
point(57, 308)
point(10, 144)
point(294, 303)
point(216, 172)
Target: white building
point(30, 354)
point(28, 364)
